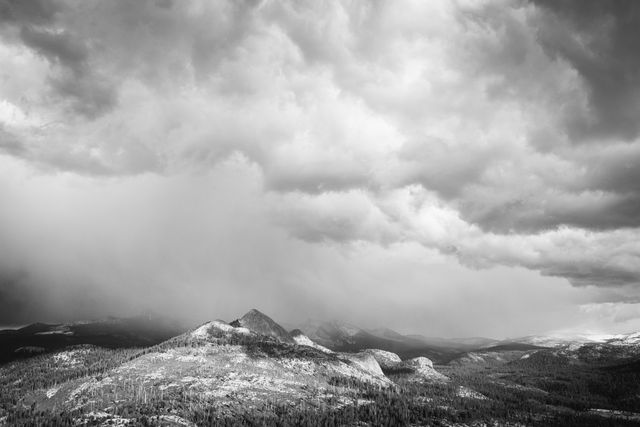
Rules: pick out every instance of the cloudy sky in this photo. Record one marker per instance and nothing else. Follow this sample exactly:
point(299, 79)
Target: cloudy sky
point(438, 167)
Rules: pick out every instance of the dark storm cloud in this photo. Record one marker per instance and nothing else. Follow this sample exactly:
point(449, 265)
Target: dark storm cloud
point(164, 152)
point(596, 188)
point(91, 96)
point(431, 165)
point(616, 169)
point(593, 211)
point(601, 39)
point(89, 93)
point(530, 54)
point(11, 144)
point(318, 182)
point(27, 11)
point(58, 47)
point(594, 275)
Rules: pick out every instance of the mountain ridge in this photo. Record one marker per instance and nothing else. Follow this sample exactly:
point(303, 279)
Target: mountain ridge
point(253, 369)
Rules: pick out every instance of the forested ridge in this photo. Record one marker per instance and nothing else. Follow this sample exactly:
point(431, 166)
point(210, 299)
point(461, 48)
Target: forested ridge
point(545, 388)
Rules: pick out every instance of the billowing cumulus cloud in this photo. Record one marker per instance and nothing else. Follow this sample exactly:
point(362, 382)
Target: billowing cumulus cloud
point(268, 150)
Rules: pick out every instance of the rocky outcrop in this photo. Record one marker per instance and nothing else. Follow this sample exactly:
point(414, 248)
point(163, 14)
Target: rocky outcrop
point(364, 361)
point(386, 359)
point(422, 370)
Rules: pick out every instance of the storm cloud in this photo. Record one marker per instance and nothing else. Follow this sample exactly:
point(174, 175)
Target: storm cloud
point(162, 153)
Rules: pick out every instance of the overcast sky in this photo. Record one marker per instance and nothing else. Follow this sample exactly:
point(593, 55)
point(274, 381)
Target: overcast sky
point(439, 167)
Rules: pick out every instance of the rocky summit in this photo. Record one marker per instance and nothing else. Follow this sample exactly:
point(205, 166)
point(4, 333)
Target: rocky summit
point(260, 323)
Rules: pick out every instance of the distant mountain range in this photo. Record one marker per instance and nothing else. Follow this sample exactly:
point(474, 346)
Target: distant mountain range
point(121, 371)
point(346, 337)
point(144, 331)
point(139, 331)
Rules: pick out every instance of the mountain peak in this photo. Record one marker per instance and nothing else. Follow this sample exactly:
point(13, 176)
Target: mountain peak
point(260, 323)
point(256, 315)
point(254, 312)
